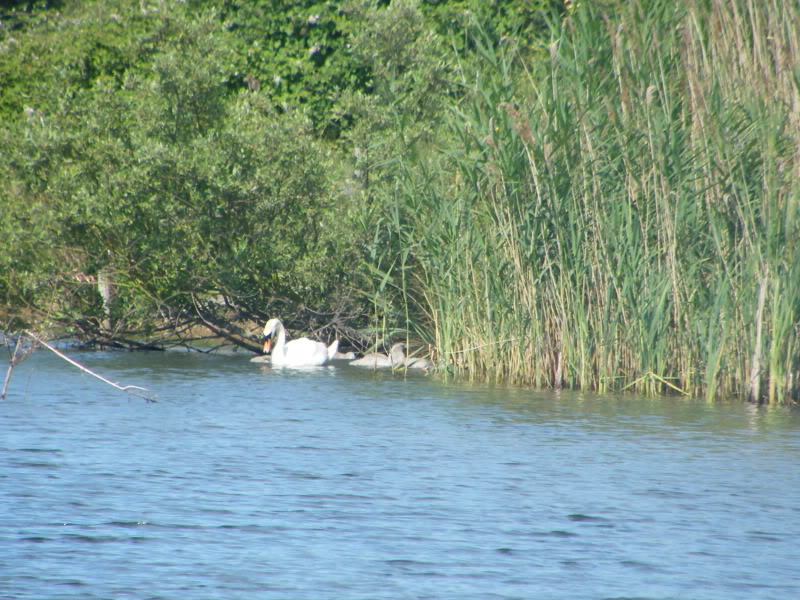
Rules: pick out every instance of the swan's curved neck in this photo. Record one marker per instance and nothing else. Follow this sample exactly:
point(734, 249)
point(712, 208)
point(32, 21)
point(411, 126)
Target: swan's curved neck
point(281, 342)
point(397, 354)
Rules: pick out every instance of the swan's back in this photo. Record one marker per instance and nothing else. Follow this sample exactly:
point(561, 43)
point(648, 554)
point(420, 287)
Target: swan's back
point(417, 363)
point(373, 359)
point(376, 359)
point(303, 352)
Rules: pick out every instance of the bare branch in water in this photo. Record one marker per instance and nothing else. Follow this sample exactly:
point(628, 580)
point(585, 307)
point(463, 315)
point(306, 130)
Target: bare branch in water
point(19, 354)
point(133, 390)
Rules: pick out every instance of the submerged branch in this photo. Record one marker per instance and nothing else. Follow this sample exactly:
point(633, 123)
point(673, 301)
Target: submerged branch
point(134, 390)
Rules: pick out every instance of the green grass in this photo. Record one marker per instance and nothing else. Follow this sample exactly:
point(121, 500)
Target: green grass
point(623, 213)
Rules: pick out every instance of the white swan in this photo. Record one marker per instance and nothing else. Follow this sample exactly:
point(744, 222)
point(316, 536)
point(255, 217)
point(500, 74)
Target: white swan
point(397, 355)
point(301, 352)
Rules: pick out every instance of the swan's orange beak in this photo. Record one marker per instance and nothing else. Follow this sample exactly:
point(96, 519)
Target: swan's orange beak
point(267, 345)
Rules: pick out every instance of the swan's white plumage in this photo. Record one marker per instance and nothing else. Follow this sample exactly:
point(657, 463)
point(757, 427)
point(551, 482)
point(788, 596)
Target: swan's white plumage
point(301, 352)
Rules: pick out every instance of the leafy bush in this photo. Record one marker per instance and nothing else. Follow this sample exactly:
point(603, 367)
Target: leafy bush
point(176, 187)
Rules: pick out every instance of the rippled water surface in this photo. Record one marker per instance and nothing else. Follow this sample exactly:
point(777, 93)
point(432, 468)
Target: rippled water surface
point(247, 482)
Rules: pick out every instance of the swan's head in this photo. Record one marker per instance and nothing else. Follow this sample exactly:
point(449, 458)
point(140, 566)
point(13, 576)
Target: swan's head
point(269, 330)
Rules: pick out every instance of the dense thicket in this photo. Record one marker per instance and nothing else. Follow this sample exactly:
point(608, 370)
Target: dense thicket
point(626, 215)
point(212, 158)
point(600, 195)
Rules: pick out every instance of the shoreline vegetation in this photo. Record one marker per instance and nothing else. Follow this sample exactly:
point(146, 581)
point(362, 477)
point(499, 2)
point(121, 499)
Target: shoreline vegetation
point(587, 195)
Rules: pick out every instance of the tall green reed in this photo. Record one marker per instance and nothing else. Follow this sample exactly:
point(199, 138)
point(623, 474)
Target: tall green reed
point(623, 213)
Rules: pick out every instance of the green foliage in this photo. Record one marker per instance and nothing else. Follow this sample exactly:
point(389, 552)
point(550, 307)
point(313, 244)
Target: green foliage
point(176, 187)
point(298, 54)
point(67, 52)
point(525, 21)
point(304, 55)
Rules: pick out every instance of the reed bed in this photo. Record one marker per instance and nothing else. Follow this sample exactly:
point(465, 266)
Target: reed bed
point(621, 214)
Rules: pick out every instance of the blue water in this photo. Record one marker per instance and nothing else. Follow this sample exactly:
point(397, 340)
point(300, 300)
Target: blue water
point(247, 482)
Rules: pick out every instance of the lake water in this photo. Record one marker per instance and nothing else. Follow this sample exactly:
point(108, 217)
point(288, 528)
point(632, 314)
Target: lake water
point(247, 482)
